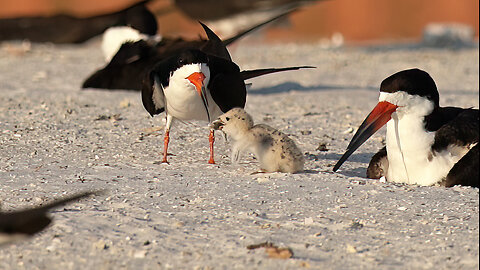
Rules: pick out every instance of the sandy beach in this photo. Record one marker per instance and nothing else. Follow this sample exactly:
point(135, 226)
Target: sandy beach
point(56, 139)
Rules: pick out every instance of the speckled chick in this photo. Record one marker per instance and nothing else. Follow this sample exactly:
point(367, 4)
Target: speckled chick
point(275, 151)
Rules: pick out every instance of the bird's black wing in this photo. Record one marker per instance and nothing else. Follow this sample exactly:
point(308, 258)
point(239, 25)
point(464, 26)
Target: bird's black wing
point(214, 46)
point(127, 68)
point(152, 91)
point(130, 52)
point(465, 171)
point(461, 129)
point(226, 86)
point(248, 74)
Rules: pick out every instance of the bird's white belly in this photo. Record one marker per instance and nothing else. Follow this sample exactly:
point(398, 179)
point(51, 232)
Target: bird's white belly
point(184, 103)
point(410, 157)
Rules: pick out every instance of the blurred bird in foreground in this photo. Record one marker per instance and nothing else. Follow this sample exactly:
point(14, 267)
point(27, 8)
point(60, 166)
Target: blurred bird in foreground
point(21, 224)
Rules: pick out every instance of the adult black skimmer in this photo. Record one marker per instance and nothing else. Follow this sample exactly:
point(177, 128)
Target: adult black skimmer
point(426, 144)
point(198, 85)
point(130, 65)
point(275, 151)
point(21, 224)
point(69, 29)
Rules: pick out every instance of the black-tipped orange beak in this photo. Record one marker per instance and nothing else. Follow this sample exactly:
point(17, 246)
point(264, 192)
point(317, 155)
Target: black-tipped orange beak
point(380, 115)
point(197, 79)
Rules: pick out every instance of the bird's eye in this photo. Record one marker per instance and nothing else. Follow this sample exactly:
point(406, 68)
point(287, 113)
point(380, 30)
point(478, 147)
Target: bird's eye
point(181, 61)
point(227, 118)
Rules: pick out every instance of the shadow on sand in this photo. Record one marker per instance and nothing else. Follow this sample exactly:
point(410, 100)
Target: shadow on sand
point(361, 171)
point(294, 86)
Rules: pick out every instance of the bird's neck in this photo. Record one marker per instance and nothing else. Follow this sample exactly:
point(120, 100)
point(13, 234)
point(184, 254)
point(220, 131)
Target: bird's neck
point(409, 147)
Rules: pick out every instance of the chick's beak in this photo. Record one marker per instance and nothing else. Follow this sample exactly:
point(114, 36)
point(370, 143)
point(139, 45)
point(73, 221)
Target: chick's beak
point(197, 79)
point(217, 124)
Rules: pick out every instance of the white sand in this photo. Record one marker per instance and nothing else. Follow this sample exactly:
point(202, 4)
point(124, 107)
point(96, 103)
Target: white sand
point(191, 215)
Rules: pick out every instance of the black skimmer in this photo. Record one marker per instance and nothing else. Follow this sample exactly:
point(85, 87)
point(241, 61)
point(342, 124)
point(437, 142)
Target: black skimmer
point(426, 144)
point(275, 151)
point(130, 65)
point(198, 85)
point(69, 29)
point(21, 224)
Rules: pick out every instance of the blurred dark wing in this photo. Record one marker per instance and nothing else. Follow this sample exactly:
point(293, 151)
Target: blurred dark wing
point(127, 68)
point(69, 29)
point(33, 220)
point(134, 60)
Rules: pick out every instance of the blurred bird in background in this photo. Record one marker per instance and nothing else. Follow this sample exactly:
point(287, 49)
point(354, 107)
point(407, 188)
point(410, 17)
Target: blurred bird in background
point(333, 23)
point(135, 59)
point(65, 28)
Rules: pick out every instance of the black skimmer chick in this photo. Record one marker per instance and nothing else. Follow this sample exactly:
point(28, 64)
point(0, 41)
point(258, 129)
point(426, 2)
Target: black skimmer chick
point(21, 224)
point(198, 85)
point(132, 62)
point(275, 151)
point(69, 29)
point(426, 144)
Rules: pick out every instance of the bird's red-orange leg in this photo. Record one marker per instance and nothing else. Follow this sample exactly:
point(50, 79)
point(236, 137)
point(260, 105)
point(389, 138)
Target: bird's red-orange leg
point(211, 139)
point(166, 140)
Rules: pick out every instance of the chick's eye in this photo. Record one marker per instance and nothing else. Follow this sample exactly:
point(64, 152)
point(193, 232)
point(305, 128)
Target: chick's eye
point(227, 118)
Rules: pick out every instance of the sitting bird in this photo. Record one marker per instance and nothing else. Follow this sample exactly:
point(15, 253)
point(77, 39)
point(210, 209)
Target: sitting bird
point(426, 144)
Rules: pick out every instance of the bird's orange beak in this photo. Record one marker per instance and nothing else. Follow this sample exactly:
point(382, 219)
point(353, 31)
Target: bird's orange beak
point(380, 115)
point(197, 79)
